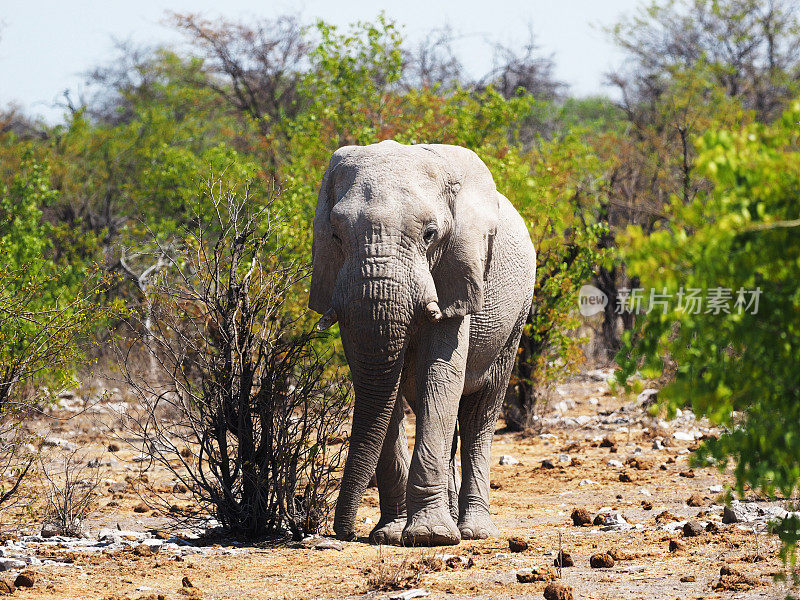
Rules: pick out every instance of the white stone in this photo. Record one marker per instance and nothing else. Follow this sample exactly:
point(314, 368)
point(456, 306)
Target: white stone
point(508, 460)
point(60, 443)
point(600, 374)
point(328, 544)
point(6, 564)
point(615, 522)
point(614, 463)
point(631, 569)
point(50, 530)
point(102, 462)
point(444, 557)
point(409, 594)
point(615, 519)
point(648, 395)
point(674, 526)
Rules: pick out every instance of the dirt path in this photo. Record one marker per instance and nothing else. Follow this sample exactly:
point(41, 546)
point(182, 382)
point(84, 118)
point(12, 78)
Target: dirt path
point(529, 501)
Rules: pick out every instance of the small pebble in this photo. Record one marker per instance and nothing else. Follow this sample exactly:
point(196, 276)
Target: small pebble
point(693, 529)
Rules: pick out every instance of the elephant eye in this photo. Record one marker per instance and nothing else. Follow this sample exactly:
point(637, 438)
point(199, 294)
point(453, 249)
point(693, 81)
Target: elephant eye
point(336, 238)
point(430, 234)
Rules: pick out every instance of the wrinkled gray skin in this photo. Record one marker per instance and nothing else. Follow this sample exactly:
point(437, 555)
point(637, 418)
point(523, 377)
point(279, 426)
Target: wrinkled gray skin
point(429, 271)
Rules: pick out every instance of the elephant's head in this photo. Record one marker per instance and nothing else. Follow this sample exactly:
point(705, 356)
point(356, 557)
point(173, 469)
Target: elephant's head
point(402, 238)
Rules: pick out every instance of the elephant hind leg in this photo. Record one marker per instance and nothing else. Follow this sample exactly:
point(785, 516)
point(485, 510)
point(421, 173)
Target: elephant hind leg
point(392, 476)
point(477, 417)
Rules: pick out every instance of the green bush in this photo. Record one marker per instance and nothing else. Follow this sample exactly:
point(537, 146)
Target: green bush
point(48, 309)
point(737, 365)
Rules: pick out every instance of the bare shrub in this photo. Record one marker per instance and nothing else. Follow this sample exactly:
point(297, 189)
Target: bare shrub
point(256, 66)
point(241, 412)
point(389, 573)
point(524, 69)
point(70, 489)
point(42, 339)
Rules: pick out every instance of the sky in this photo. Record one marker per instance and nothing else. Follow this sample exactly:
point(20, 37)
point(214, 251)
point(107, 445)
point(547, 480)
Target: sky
point(47, 46)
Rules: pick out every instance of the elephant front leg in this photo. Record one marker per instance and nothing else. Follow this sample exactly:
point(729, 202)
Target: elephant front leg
point(441, 360)
point(392, 476)
point(477, 417)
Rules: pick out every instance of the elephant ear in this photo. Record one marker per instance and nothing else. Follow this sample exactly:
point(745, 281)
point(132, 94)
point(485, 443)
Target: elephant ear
point(327, 256)
point(474, 202)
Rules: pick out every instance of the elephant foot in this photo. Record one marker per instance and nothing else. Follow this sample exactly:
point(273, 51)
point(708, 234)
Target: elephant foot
point(389, 532)
point(345, 534)
point(431, 527)
point(477, 526)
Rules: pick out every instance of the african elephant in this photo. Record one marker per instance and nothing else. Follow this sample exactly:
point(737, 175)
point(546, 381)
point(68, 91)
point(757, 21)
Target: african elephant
point(429, 271)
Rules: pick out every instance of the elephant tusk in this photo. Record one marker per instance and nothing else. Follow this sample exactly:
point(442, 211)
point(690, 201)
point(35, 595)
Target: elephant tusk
point(433, 312)
point(327, 320)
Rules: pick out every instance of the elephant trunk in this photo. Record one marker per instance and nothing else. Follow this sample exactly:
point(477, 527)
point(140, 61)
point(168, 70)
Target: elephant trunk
point(376, 302)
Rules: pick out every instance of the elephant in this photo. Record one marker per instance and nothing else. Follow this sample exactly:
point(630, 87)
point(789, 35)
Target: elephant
point(429, 271)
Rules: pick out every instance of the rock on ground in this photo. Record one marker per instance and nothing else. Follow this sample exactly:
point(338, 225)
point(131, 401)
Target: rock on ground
point(558, 591)
point(6, 564)
point(564, 559)
point(676, 546)
point(517, 544)
point(696, 500)
point(739, 513)
point(693, 529)
point(536, 574)
point(581, 517)
point(25, 579)
point(601, 560)
point(327, 544)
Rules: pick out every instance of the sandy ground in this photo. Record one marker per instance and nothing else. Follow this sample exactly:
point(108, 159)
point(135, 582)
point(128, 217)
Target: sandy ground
point(528, 502)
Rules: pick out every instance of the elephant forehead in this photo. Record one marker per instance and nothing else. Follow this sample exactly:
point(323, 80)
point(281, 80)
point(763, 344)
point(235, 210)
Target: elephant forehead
point(386, 205)
point(401, 168)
